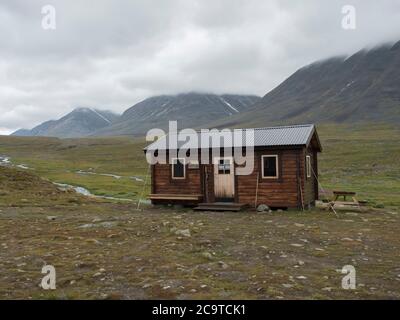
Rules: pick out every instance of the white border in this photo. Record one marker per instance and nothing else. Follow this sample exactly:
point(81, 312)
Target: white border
point(308, 166)
point(276, 163)
point(184, 168)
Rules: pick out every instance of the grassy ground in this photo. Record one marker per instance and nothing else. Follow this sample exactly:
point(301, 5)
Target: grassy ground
point(112, 251)
point(20, 188)
point(363, 158)
point(104, 249)
point(60, 160)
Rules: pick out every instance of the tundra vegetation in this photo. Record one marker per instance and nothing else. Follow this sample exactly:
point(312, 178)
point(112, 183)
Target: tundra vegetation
point(107, 249)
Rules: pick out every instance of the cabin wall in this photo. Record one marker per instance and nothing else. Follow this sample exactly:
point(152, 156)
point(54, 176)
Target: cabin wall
point(280, 192)
point(309, 184)
point(162, 181)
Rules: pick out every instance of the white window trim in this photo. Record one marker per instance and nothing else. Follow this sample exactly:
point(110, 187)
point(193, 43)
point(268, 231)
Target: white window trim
point(308, 166)
point(276, 163)
point(232, 164)
point(184, 168)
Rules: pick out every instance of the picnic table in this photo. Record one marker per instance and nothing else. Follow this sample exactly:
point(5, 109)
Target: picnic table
point(354, 204)
point(344, 194)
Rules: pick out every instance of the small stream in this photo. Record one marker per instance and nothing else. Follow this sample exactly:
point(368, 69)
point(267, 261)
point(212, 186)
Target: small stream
point(107, 175)
point(6, 161)
point(99, 174)
point(85, 192)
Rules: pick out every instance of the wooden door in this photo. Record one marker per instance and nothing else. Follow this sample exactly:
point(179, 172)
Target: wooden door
point(224, 179)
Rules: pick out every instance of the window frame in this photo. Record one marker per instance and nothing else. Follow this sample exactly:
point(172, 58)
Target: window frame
point(224, 164)
point(308, 166)
point(276, 156)
point(173, 168)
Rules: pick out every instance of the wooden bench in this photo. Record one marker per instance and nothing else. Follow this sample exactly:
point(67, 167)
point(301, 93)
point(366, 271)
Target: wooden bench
point(181, 197)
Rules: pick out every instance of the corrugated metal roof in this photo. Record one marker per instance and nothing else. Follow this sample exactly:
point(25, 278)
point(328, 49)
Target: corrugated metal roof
point(267, 137)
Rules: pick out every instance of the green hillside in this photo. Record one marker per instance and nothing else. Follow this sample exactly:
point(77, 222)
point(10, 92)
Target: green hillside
point(362, 158)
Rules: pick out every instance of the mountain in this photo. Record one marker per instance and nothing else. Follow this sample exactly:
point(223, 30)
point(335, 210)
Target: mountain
point(362, 87)
point(80, 122)
point(22, 133)
point(191, 110)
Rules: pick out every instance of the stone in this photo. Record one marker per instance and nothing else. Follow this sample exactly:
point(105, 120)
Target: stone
point(95, 241)
point(347, 239)
point(113, 235)
point(223, 265)
point(183, 232)
point(263, 208)
point(297, 245)
point(207, 255)
point(108, 224)
point(87, 225)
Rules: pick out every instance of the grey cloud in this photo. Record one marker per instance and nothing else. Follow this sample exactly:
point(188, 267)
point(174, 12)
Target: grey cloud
point(111, 54)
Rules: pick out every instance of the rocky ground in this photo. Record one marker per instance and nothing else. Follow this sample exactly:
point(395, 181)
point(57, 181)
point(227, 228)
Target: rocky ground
point(113, 251)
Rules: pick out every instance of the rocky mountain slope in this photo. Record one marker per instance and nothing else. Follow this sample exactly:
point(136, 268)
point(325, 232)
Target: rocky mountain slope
point(362, 87)
point(191, 110)
point(80, 122)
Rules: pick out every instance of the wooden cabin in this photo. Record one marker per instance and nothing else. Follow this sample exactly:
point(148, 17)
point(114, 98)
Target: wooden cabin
point(285, 173)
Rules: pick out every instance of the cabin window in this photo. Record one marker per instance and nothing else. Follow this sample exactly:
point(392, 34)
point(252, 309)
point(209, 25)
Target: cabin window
point(308, 166)
point(178, 168)
point(269, 166)
point(224, 166)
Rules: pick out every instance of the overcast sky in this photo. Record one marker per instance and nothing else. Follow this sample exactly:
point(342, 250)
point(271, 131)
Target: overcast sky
point(111, 54)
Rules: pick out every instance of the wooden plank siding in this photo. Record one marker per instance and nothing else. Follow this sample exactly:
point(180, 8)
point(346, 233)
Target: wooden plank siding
point(279, 192)
point(163, 182)
point(283, 191)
